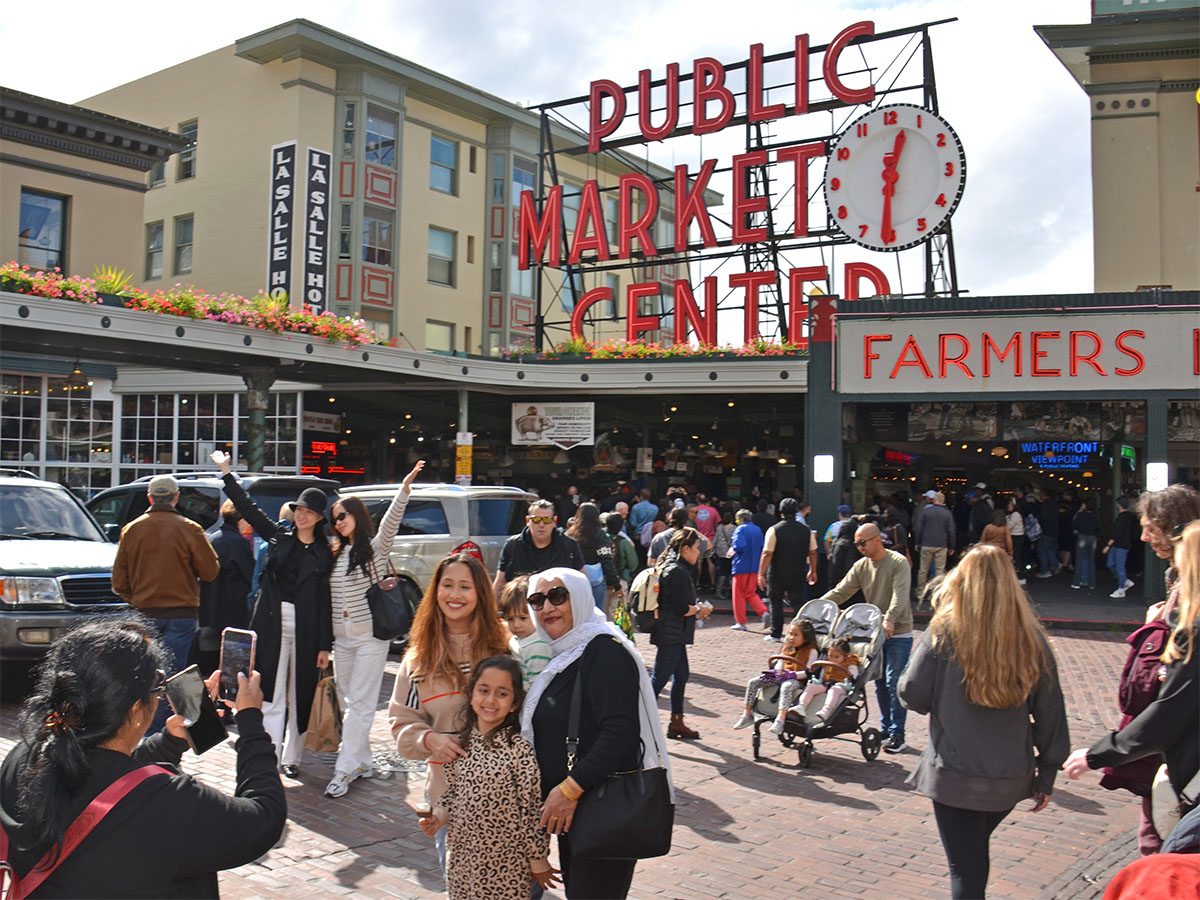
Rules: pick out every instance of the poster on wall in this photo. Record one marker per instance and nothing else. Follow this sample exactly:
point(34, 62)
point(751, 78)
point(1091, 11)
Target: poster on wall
point(563, 425)
point(952, 421)
point(1183, 420)
point(316, 230)
point(882, 421)
point(645, 459)
point(283, 191)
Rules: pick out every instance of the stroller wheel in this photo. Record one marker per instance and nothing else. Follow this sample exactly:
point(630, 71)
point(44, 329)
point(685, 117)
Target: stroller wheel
point(806, 754)
point(872, 740)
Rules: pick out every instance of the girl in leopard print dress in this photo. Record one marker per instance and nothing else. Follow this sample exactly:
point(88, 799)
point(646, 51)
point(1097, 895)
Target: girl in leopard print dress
point(493, 799)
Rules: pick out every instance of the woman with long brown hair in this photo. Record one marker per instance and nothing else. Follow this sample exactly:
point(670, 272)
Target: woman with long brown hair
point(599, 556)
point(985, 673)
point(456, 627)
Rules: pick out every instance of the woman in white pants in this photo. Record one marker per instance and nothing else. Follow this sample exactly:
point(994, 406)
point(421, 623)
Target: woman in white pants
point(360, 560)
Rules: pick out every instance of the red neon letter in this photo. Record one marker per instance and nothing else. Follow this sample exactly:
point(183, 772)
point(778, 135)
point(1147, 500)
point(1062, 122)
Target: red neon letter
point(1139, 360)
point(944, 360)
point(686, 312)
point(1090, 359)
point(689, 204)
point(541, 233)
point(635, 322)
point(800, 155)
point(649, 132)
point(595, 295)
point(918, 360)
point(855, 271)
point(829, 67)
point(989, 346)
point(797, 300)
point(598, 128)
point(755, 111)
point(589, 214)
point(801, 75)
point(708, 83)
point(752, 281)
point(1196, 351)
point(641, 228)
point(1038, 353)
point(868, 356)
point(744, 206)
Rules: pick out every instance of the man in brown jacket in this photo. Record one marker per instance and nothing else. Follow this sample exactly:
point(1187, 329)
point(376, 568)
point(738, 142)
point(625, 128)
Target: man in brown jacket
point(161, 555)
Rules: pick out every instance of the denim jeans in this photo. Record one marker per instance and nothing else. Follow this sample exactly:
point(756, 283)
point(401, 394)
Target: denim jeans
point(177, 636)
point(671, 664)
point(1047, 553)
point(1116, 564)
point(892, 715)
point(1085, 560)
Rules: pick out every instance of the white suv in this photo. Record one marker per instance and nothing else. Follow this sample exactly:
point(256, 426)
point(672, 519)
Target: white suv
point(441, 519)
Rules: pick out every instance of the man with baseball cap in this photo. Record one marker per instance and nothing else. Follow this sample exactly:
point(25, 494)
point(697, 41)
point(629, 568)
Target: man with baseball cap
point(161, 559)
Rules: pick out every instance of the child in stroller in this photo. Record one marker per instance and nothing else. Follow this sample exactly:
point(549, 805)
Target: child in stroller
point(789, 670)
point(833, 676)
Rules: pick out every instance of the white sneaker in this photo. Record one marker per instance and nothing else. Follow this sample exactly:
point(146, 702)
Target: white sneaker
point(744, 722)
point(1119, 592)
point(1021, 581)
point(1128, 584)
point(776, 727)
point(777, 640)
point(340, 784)
point(737, 626)
point(363, 772)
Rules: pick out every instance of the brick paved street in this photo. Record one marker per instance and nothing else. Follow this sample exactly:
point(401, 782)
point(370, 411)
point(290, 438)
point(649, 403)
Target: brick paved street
point(744, 829)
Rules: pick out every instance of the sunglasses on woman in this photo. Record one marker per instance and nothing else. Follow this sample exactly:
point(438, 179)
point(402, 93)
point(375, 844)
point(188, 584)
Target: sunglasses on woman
point(556, 595)
point(340, 516)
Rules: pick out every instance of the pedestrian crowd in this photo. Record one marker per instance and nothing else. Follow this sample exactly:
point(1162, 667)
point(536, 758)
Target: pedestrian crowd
point(505, 669)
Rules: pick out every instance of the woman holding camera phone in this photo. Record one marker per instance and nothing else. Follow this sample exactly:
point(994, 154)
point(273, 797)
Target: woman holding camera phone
point(291, 614)
point(81, 731)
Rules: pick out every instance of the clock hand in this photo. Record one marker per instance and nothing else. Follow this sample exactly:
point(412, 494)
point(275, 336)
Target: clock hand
point(890, 177)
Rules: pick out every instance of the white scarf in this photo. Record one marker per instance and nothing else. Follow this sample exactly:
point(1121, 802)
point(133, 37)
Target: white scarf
point(589, 623)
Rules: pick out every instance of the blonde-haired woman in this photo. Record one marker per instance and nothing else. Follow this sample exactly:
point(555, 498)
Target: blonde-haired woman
point(457, 626)
point(985, 673)
point(1171, 724)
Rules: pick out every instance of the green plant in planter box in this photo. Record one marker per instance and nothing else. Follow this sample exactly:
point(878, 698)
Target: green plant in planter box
point(111, 280)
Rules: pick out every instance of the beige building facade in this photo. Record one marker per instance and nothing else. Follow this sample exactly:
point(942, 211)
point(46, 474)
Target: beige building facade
point(1140, 67)
point(425, 181)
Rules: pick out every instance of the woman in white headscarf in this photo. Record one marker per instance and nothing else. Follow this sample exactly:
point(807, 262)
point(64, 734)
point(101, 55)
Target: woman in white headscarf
point(617, 710)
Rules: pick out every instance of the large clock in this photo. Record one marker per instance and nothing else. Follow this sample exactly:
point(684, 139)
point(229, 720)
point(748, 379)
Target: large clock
point(894, 177)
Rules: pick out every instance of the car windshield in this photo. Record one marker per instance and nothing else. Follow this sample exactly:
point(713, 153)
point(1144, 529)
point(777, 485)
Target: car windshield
point(45, 512)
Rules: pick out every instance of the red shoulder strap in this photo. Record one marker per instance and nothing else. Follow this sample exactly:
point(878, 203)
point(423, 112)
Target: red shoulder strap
point(78, 830)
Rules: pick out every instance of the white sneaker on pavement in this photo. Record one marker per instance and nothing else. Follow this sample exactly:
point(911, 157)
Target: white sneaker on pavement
point(1128, 584)
point(737, 626)
point(1119, 592)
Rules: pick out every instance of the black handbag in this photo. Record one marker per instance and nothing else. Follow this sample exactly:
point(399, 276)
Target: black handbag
point(629, 816)
point(391, 609)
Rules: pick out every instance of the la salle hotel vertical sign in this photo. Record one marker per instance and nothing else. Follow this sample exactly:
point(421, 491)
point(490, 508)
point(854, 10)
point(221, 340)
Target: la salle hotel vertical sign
point(316, 230)
point(283, 192)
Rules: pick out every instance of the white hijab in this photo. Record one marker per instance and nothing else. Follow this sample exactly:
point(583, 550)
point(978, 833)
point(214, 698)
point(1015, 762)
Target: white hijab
point(589, 623)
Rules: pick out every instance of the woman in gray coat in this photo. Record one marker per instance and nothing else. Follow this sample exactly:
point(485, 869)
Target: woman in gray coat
point(985, 674)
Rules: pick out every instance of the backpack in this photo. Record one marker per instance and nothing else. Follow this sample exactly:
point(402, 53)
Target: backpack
point(1033, 528)
point(643, 599)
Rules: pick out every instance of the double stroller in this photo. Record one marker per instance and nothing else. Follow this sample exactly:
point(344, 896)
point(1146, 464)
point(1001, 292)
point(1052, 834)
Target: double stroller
point(862, 625)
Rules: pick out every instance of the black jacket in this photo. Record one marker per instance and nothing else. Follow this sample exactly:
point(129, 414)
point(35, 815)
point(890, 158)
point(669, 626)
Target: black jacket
point(224, 601)
point(608, 721)
point(169, 836)
point(521, 557)
point(1170, 725)
point(1122, 530)
point(789, 561)
point(293, 574)
point(676, 592)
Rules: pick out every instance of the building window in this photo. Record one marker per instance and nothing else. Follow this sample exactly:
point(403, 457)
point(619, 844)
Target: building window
point(570, 205)
point(183, 245)
point(348, 131)
point(377, 235)
point(471, 157)
point(344, 232)
point(441, 256)
point(158, 174)
point(41, 241)
point(524, 175)
point(443, 165)
point(611, 208)
point(154, 250)
point(572, 290)
point(187, 158)
point(439, 336)
point(613, 283)
point(498, 178)
point(381, 136)
point(520, 281)
point(495, 270)
point(470, 249)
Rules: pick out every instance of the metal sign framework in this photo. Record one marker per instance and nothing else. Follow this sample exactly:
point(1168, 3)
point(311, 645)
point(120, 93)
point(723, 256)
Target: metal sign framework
point(941, 274)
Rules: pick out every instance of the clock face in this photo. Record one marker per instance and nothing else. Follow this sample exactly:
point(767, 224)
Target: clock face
point(894, 176)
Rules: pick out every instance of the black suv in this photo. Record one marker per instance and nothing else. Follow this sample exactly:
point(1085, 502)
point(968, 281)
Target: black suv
point(200, 497)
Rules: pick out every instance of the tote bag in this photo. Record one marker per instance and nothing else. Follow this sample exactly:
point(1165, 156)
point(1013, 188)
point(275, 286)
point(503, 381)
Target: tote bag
point(325, 718)
point(391, 610)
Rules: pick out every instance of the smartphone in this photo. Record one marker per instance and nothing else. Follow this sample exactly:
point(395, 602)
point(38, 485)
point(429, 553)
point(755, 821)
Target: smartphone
point(237, 655)
point(189, 698)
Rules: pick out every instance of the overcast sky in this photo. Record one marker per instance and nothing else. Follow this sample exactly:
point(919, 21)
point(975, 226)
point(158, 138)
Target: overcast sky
point(1024, 224)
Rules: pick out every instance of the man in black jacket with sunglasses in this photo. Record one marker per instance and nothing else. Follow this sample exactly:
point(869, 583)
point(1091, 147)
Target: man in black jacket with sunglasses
point(538, 547)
